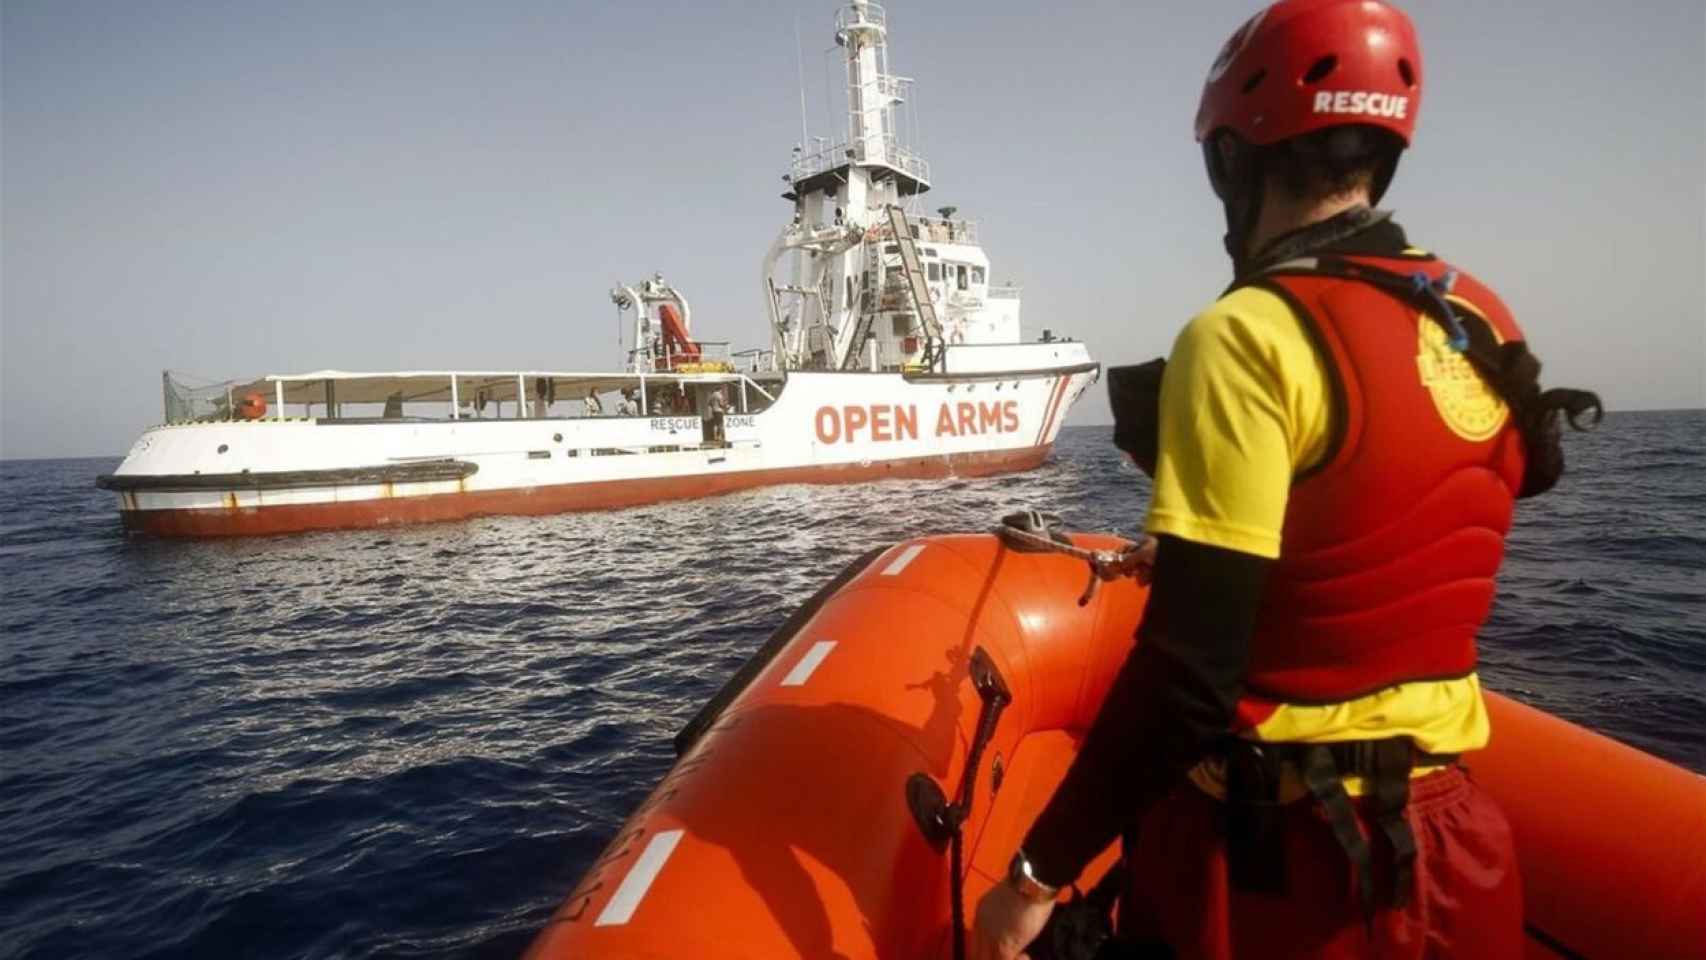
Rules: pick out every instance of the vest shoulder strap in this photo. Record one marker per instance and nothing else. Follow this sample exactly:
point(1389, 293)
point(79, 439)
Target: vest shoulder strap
point(1508, 368)
point(1426, 286)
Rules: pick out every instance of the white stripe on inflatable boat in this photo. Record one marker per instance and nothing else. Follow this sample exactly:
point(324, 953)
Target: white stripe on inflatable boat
point(639, 879)
point(906, 556)
point(802, 671)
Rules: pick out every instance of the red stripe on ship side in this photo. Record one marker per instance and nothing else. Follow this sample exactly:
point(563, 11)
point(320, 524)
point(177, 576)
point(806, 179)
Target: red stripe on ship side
point(1053, 405)
point(556, 498)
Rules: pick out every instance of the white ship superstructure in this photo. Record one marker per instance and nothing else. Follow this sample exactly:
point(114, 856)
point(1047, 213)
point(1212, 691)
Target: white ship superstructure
point(891, 354)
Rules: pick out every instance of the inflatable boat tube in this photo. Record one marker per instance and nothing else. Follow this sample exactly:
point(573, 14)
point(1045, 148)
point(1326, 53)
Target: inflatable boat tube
point(804, 817)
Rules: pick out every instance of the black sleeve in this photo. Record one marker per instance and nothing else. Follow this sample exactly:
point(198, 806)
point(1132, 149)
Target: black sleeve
point(1172, 698)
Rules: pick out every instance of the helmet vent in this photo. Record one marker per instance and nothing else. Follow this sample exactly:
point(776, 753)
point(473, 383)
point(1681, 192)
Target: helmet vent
point(1255, 80)
point(1406, 73)
point(1319, 69)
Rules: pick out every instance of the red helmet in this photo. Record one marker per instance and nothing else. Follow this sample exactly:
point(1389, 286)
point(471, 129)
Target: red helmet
point(1305, 65)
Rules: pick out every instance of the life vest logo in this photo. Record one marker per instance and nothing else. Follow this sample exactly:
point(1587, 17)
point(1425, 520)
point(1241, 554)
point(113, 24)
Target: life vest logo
point(1362, 103)
point(1464, 401)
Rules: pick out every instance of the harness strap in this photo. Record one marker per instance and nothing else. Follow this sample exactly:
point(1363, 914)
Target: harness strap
point(1390, 784)
point(1255, 847)
point(1321, 776)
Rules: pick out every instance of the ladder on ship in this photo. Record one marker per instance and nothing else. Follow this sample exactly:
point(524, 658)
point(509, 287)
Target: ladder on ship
point(915, 282)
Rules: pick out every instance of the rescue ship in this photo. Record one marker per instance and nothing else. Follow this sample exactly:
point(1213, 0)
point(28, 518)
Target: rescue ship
point(863, 780)
point(892, 353)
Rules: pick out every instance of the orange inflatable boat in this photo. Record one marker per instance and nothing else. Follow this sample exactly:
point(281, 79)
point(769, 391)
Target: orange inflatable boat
point(809, 813)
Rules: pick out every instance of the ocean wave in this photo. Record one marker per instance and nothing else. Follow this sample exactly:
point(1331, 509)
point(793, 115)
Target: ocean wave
point(411, 742)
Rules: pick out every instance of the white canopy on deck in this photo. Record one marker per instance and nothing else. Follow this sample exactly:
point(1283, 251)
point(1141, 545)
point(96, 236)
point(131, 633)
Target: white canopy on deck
point(422, 386)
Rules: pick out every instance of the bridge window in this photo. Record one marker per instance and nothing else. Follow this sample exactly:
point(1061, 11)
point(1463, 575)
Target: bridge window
point(934, 270)
point(977, 275)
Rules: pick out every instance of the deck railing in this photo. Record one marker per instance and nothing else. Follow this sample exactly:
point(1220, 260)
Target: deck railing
point(858, 15)
point(713, 357)
point(884, 150)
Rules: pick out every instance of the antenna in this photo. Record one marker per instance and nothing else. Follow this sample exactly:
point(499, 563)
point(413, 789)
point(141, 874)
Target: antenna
point(828, 88)
point(917, 125)
point(800, 74)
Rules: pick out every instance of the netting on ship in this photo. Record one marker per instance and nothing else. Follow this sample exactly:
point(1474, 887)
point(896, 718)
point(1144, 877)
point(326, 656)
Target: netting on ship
point(191, 399)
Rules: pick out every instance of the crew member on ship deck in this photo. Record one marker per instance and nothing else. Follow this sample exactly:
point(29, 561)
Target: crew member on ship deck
point(716, 409)
point(1340, 440)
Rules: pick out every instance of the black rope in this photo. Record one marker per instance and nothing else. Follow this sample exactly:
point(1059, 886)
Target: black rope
point(956, 896)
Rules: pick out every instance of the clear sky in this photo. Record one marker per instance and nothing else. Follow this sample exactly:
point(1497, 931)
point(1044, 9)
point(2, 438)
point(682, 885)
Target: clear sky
point(235, 188)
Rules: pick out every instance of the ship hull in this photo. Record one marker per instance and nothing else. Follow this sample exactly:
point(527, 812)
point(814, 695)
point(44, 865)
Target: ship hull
point(399, 506)
point(289, 476)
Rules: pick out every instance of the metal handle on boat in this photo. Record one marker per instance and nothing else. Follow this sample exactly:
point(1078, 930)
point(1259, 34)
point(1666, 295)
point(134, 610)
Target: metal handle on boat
point(941, 821)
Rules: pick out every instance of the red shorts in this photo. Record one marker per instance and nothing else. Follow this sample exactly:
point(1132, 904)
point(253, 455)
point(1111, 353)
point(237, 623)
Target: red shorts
point(1466, 900)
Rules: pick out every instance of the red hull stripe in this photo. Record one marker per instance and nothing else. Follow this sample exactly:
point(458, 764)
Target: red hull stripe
point(1053, 405)
point(558, 498)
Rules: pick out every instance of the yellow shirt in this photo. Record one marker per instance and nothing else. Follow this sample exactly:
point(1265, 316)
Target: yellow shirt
point(1245, 407)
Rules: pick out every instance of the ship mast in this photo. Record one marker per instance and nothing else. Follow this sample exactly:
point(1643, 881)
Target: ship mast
point(841, 193)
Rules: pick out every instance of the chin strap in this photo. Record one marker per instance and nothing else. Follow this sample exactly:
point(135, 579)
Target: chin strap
point(1234, 170)
point(1238, 172)
point(1243, 208)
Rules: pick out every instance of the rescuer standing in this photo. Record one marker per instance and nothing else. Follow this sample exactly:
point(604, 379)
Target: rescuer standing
point(1339, 443)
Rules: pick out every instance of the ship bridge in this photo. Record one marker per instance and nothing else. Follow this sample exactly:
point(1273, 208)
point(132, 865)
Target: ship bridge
point(872, 144)
point(870, 282)
point(823, 170)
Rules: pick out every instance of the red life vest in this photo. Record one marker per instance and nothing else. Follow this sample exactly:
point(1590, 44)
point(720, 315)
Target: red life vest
point(1391, 544)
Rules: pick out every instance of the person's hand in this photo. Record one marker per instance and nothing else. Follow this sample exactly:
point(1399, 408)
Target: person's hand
point(1006, 923)
point(1138, 560)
